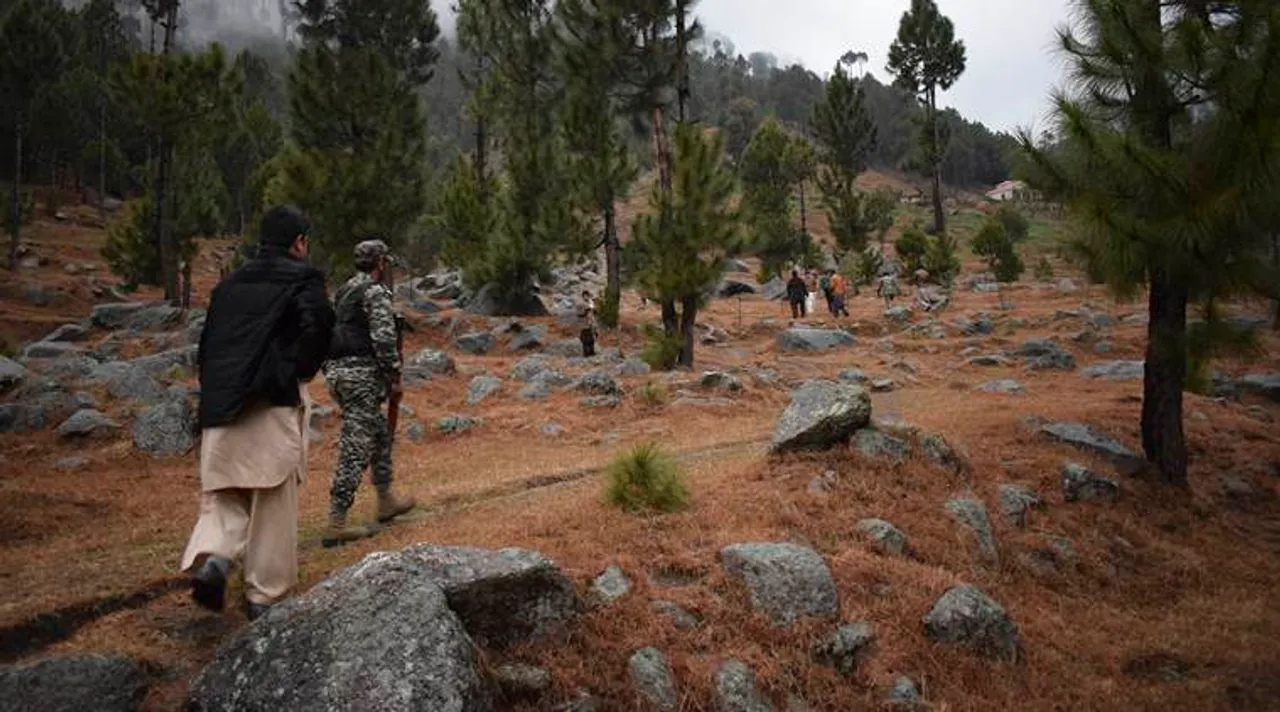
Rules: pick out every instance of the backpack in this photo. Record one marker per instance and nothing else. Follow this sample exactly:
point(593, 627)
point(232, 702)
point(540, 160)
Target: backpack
point(825, 284)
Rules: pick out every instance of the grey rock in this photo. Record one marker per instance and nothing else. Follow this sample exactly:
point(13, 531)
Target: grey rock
point(598, 383)
point(737, 267)
point(70, 368)
point(522, 682)
point(698, 402)
point(528, 338)
point(899, 314)
point(904, 695)
point(966, 616)
point(102, 683)
point(822, 415)
point(482, 387)
point(601, 402)
point(165, 429)
point(713, 335)
point(633, 367)
point(1016, 501)
point(68, 332)
point(1103, 347)
point(766, 377)
point(1004, 385)
point(717, 380)
point(456, 424)
point(378, 636)
point(733, 288)
point(553, 430)
point(785, 581)
point(809, 340)
point(845, 647)
point(503, 596)
point(986, 287)
point(1045, 355)
point(824, 483)
point(1079, 484)
point(1116, 371)
point(536, 391)
point(87, 423)
point(12, 374)
point(50, 350)
point(429, 362)
point(736, 689)
point(14, 418)
point(476, 343)
point(135, 315)
point(973, 514)
point(980, 325)
point(128, 381)
point(526, 368)
point(1067, 286)
point(29, 262)
point(1260, 384)
point(881, 446)
point(940, 452)
point(652, 678)
point(883, 385)
point(682, 618)
point(164, 363)
point(854, 376)
point(71, 463)
point(1089, 440)
point(415, 432)
point(989, 360)
point(36, 405)
point(887, 538)
point(492, 301)
point(609, 586)
point(565, 347)
point(774, 289)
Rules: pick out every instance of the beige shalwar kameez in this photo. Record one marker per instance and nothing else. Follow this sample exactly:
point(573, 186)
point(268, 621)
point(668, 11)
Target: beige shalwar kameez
point(249, 476)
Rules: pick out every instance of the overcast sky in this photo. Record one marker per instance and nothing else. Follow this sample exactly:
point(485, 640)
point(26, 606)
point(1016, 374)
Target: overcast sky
point(1010, 70)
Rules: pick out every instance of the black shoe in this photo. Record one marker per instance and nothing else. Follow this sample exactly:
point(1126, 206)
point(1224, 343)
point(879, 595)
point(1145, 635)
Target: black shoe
point(209, 584)
point(254, 611)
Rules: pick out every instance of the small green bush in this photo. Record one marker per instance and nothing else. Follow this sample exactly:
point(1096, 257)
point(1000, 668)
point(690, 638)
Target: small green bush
point(660, 351)
point(646, 478)
point(911, 248)
point(654, 395)
point(610, 305)
point(1044, 270)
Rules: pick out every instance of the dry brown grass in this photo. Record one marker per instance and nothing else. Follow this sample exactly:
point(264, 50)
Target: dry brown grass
point(1157, 580)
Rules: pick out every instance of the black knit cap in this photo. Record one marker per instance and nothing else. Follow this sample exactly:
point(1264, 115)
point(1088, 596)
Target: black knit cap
point(282, 225)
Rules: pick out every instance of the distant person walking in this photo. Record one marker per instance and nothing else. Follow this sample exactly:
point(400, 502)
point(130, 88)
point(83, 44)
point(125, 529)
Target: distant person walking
point(824, 284)
point(797, 295)
point(588, 334)
point(265, 335)
point(362, 372)
point(888, 289)
point(839, 292)
point(811, 286)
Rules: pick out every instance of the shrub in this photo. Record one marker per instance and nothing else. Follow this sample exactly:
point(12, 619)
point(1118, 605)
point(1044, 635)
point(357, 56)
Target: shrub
point(129, 252)
point(660, 351)
point(868, 267)
point(26, 206)
point(994, 243)
point(940, 259)
point(1015, 224)
point(610, 304)
point(1044, 270)
point(646, 478)
point(911, 248)
point(654, 395)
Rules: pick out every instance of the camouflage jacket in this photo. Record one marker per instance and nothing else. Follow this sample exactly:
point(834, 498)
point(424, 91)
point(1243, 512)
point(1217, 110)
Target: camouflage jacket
point(381, 319)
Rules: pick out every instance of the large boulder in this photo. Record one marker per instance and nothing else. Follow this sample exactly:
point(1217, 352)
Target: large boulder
point(138, 316)
point(377, 636)
point(1045, 355)
point(1016, 501)
point(49, 350)
point(966, 616)
point(482, 387)
point(429, 362)
point(87, 423)
point(129, 381)
point(774, 289)
point(37, 404)
point(822, 415)
point(102, 683)
point(503, 596)
point(652, 678)
point(161, 364)
point(1079, 484)
point(492, 301)
point(886, 537)
point(785, 581)
point(527, 368)
point(476, 343)
point(68, 332)
point(1260, 384)
point(166, 429)
point(12, 373)
point(845, 647)
point(528, 338)
point(973, 514)
point(733, 288)
point(598, 383)
point(878, 445)
point(1116, 371)
point(802, 339)
point(1090, 440)
point(736, 689)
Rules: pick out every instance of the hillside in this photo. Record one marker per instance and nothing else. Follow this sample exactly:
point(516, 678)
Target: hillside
point(1158, 600)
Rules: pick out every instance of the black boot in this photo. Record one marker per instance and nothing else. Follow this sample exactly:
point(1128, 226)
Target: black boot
point(254, 611)
point(209, 583)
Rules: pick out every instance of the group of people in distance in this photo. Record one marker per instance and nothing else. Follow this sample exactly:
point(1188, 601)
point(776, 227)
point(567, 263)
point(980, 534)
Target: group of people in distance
point(802, 291)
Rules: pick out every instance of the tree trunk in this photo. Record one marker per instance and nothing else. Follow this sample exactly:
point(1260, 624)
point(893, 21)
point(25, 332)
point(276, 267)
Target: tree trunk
point(1275, 266)
point(102, 162)
point(939, 217)
point(186, 284)
point(1166, 370)
point(661, 151)
point(804, 215)
point(670, 328)
point(688, 327)
point(613, 267)
point(15, 220)
point(164, 232)
point(682, 68)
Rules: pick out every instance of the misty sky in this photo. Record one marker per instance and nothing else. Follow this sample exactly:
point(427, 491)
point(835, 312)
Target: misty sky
point(1011, 68)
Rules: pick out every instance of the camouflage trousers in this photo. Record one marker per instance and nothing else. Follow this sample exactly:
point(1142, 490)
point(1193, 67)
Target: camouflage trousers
point(359, 390)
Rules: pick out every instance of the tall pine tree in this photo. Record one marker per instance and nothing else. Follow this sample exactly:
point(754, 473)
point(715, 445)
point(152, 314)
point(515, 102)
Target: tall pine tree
point(846, 135)
point(768, 170)
point(1166, 159)
point(927, 58)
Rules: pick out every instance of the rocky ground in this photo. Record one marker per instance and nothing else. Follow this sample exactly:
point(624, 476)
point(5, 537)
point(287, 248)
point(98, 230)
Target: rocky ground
point(974, 532)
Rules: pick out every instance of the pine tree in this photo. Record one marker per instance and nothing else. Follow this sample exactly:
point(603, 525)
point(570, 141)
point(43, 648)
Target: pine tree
point(927, 58)
point(31, 57)
point(801, 163)
point(357, 163)
point(1168, 151)
point(681, 245)
point(592, 47)
point(911, 248)
point(768, 178)
point(846, 134)
point(879, 210)
point(994, 243)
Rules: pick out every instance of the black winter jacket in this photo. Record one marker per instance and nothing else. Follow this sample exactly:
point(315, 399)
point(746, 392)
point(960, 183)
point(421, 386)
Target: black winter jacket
point(268, 328)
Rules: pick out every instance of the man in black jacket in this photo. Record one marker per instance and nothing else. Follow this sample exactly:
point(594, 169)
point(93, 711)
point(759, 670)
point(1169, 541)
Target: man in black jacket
point(266, 334)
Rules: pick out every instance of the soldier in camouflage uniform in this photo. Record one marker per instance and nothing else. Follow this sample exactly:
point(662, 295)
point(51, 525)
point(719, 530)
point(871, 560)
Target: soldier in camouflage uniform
point(362, 372)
